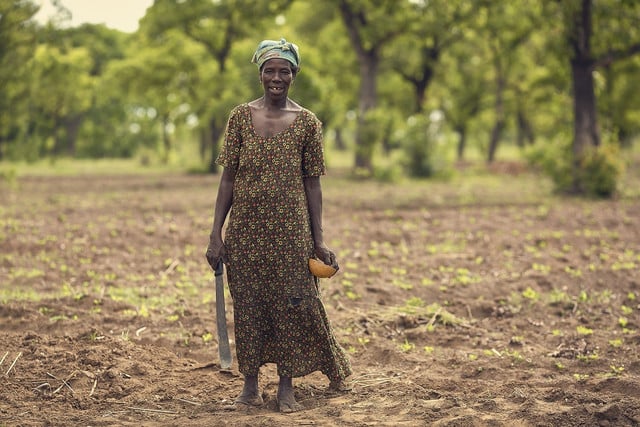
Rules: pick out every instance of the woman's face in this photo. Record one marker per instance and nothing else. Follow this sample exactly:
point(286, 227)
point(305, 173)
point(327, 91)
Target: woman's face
point(276, 77)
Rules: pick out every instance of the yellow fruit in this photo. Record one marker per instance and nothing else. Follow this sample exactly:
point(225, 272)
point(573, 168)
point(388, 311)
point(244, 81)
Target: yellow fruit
point(320, 269)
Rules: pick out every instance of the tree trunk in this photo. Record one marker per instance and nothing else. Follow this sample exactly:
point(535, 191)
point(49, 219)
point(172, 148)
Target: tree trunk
point(203, 143)
point(462, 140)
point(524, 131)
point(366, 101)
point(420, 88)
point(166, 139)
point(215, 133)
point(367, 98)
point(341, 145)
point(421, 84)
point(584, 106)
point(498, 126)
point(57, 140)
point(72, 127)
point(584, 100)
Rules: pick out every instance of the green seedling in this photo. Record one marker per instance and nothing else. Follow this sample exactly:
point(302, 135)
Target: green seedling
point(413, 303)
point(617, 370)
point(623, 321)
point(605, 297)
point(583, 296)
point(346, 283)
point(558, 297)
point(588, 357)
point(573, 272)
point(374, 269)
point(531, 294)
point(396, 271)
point(352, 295)
point(515, 355)
point(402, 284)
point(583, 330)
point(615, 343)
point(426, 282)
point(541, 268)
point(407, 346)
point(627, 265)
point(626, 310)
point(517, 340)
point(363, 341)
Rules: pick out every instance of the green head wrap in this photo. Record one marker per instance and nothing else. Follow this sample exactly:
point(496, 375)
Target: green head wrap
point(270, 49)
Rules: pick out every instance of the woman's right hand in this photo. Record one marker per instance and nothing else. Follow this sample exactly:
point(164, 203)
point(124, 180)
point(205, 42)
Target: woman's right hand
point(216, 251)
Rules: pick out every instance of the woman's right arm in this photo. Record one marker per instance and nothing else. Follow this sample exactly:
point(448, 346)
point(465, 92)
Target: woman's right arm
point(224, 200)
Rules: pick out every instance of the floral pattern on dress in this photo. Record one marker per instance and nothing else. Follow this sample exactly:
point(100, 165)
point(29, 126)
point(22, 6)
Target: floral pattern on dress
point(279, 317)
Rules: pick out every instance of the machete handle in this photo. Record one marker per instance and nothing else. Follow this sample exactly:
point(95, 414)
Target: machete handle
point(219, 268)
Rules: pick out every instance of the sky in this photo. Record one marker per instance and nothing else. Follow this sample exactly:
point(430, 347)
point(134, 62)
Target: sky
point(121, 15)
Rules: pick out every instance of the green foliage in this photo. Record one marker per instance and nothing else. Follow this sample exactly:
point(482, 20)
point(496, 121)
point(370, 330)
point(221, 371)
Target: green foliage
point(88, 91)
point(424, 155)
point(600, 170)
point(597, 173)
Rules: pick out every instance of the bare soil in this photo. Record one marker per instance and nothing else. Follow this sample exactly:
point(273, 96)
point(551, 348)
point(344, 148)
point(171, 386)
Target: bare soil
point(461, 304)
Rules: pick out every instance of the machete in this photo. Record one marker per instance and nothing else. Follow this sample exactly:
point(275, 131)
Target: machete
point(221, 319)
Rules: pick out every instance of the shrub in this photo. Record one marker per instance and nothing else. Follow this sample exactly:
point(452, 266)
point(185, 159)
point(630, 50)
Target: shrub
point(597, 173)
point(424, 157)
point(600, 170)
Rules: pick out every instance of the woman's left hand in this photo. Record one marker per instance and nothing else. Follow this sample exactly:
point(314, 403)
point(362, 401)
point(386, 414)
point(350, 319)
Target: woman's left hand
point(324, 254)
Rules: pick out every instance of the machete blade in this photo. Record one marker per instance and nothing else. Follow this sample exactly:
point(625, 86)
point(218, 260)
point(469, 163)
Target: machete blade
point(224, 350)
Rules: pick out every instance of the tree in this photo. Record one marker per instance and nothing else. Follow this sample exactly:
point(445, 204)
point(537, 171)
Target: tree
point(589, 50)
point(464, 86)
point(100, 46)
point(617, 109)
point(508, 25)
point(370, 26)
point(17, 45)
point(328, 81)
point(217, 26)
point(157, 81)
point(61, 93)
point(439, 24)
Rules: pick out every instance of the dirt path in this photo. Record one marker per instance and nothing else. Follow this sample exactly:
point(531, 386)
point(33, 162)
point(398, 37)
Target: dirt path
point(458, 305)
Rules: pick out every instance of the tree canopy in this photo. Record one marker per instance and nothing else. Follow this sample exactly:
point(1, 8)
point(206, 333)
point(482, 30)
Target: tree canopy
point(475, 74)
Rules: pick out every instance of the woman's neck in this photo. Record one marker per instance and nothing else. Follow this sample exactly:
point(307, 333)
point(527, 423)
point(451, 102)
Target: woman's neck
point(275, 104)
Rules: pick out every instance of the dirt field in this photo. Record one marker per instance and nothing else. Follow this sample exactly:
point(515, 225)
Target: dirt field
point(471, 303)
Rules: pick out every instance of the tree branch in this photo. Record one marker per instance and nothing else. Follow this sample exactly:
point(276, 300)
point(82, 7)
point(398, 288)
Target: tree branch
point(617, 54)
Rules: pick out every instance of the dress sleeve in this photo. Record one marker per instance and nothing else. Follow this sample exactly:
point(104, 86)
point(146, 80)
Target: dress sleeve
point(313, 151)
point(229, 156)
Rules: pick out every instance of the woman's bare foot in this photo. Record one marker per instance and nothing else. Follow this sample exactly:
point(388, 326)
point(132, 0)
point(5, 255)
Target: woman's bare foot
point(250, 395)
point(286, 399)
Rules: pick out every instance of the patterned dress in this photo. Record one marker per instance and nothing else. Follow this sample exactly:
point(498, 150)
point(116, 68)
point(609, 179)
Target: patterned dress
point(278, 315)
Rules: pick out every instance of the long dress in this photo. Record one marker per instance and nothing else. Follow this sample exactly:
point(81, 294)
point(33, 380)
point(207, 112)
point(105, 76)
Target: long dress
point(279, 317)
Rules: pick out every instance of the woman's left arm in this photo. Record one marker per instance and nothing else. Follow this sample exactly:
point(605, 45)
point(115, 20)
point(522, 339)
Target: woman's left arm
point(313, 190)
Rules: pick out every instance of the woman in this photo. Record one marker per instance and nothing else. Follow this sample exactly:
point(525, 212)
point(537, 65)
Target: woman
point(273, 159)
